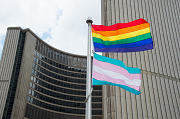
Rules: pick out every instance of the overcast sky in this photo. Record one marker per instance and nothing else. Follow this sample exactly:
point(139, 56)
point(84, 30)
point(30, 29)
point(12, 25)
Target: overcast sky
point(60, 23)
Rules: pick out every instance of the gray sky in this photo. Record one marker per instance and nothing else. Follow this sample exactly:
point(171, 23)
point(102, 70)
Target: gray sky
point(60, 23)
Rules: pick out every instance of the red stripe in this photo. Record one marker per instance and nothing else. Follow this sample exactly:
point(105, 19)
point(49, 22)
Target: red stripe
point(118, 25)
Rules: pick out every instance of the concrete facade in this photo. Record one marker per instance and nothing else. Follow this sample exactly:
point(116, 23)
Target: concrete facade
point(7, 60)
point(160, 86)
point(20, 100)
point(38, 81)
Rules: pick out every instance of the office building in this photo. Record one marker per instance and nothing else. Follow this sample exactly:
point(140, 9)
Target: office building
point(160, 86)
point(38, 81)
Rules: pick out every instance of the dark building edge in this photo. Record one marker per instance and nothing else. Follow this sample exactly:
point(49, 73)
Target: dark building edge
point(14, 78)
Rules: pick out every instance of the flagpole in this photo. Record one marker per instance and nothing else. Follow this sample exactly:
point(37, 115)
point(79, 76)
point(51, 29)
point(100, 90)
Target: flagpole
point(88, 76)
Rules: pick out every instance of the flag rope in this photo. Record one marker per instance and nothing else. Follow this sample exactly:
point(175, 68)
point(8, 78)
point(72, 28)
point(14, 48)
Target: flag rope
point(88, 95)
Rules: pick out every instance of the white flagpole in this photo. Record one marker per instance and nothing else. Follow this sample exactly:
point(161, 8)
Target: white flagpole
point(88, 76)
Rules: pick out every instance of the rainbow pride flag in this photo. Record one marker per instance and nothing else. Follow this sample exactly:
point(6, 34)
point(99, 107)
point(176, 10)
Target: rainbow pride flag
point(108, 71)
point(122, 37)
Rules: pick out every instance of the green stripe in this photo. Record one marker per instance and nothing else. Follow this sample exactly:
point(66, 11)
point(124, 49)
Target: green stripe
point(123, 41)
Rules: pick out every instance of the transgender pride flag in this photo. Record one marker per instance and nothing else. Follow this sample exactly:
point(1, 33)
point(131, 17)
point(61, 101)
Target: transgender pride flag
point(114, 72)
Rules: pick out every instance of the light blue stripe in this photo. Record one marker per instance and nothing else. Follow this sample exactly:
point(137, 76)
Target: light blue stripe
point(117, 63)
point(98, 82)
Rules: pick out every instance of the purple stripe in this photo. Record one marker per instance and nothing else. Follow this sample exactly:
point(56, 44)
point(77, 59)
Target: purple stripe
point(103, 77)
point(134, 49)
point(117, 69)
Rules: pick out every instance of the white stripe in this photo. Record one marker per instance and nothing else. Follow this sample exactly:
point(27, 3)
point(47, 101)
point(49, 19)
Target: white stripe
point(114, 75)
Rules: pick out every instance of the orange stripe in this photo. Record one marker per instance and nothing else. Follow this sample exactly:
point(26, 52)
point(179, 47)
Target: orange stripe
point(122, 31)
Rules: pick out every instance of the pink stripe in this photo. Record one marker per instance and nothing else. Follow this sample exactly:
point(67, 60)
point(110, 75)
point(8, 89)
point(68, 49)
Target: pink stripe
point(117, 69)
point(102, 77)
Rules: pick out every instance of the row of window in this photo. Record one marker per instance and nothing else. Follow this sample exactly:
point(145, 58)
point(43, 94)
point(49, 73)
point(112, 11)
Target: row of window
point(64, 73)
point(61, 102)
point(33, 112)
point(55, 75)
point(59, 71)
point(60, 57)
point(63, 96)
point(64, 90)
point(59, 83)
point(61, 109)
point(59, 89)
point(55, 101)
point(58, 65)
point(63, 78)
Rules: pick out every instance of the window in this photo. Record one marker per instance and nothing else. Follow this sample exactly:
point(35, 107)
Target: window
point(32, 71)
point(32, 93)
point(35, 59)
point(35, 72)
point(29, 91)
point(35, 52)
point(35, 79)
point(33, 64)
point(31, 100)
point(40, 56)
point(31, 84)
point(28, 99)
point(32, 78)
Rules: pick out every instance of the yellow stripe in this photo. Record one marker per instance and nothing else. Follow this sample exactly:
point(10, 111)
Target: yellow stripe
point(122, 36)
point(122, 31)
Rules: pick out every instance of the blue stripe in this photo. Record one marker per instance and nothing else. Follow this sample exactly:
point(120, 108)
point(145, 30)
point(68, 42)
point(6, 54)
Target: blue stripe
point(117, 63)
point(134, 49)
point(97, 82)
point(127, 45)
